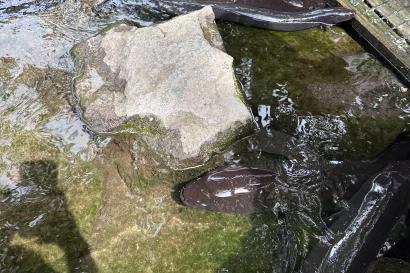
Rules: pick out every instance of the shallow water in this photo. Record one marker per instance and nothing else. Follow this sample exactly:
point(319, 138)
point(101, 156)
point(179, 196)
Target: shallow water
point(64, 208)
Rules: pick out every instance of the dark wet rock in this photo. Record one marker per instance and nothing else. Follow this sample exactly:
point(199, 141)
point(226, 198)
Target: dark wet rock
point(388, 265)
point(364, 227)
point(172, 86)
point(401, 250)
point(399, 244)
point(347, 177)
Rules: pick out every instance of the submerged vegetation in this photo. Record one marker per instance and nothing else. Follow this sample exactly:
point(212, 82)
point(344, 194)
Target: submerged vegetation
point(317, 83)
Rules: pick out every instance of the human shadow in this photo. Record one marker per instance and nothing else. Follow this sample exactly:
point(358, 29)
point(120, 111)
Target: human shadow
point(37, 211)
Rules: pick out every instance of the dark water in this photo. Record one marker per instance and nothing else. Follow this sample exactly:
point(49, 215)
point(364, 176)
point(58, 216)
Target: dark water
point(57, 213)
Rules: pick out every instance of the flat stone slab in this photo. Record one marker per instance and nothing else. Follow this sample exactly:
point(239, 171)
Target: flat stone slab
point(172, 83)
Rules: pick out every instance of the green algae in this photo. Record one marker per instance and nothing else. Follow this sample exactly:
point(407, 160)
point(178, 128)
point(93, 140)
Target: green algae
point(293, 58)
point(381, 132)
point(168, 237)
point(4, 190)
point(46, 221)
point(7, 64)
point(199, 249)
point(324, 75)
point(139, 126)
point(140, 166)
point(257, 247)
point(49, 86)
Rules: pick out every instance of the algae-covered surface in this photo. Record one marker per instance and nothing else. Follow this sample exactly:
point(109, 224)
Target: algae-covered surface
point(65, 208)
point(322, 87)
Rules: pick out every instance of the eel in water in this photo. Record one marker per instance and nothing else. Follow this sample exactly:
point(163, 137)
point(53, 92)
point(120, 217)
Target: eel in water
point(240, 189)
point(280, 15)
point(232, 189)
point(291, 191)
point(360, 232)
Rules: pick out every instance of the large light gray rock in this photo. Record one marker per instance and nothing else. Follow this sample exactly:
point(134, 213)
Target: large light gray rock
point(171, 84)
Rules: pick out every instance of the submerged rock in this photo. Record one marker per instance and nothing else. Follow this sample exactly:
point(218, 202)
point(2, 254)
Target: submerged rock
point(322, 87)
point(171, 86)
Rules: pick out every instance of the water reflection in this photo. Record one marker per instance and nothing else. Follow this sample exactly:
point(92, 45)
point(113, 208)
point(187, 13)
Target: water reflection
point(33, 40)
point(69, 134)
point(141, 12)
point(41, 215)
point(13, 8)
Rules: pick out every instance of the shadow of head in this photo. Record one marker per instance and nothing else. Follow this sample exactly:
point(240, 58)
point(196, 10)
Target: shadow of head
point(43, 173)
point(47, 209)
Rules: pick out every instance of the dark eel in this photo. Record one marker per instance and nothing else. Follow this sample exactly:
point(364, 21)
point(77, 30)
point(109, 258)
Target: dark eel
point(240, 189)
point(233, 189)
point(280, 15)
point(376, 201)
point(361, 231)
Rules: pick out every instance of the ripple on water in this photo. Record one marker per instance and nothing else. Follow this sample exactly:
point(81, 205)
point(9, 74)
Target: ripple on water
point(18, 8)
point(31, 40)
